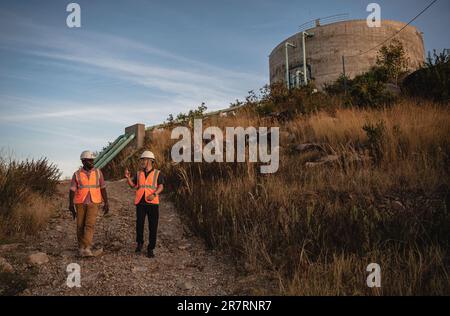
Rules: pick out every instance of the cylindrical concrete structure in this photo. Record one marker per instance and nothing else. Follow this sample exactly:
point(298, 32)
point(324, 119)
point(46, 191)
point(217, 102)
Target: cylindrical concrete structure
point(324, 50)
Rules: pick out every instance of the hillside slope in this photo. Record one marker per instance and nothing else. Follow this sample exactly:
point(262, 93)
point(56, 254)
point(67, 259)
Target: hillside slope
point(183, 266)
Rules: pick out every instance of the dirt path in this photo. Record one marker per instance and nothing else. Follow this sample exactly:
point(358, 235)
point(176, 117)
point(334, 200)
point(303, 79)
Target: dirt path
point(182, 265)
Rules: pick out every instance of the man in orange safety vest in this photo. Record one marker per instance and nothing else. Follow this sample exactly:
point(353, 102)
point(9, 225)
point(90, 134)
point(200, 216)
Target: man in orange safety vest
point(87, 191)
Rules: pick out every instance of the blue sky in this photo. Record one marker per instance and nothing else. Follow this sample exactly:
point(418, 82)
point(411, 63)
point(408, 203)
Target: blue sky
point(65, 90)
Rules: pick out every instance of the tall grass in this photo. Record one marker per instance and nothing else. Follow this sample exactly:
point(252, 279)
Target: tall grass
point(314, 230)
point(25, 191)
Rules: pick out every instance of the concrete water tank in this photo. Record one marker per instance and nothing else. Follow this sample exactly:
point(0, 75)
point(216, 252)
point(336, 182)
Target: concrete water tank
point(324, 50)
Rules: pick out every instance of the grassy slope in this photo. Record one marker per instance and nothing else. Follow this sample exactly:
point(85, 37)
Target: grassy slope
point(314, 230)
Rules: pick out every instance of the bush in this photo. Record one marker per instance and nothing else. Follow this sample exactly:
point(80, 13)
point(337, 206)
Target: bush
point(432, 81)
point(24, 187)
point(369, 90)
point(276, 98)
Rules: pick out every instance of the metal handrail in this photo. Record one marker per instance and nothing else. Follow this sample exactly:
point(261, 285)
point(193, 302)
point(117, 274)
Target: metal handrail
point(107, 149)
point(324, 21)
point(105, 156)
point(116, 151)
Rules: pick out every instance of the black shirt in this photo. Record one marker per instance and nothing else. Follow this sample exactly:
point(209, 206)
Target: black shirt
point(159, 181)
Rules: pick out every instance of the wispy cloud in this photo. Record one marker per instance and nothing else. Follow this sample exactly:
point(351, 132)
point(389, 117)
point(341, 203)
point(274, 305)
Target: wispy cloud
point(114, 82)
point(184, 78)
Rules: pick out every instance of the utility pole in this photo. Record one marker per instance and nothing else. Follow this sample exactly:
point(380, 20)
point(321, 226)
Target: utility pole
point(345, 75)
point(287, 44)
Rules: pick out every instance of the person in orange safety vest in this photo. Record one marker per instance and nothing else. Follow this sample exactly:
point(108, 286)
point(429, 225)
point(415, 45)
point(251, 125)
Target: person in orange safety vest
point(87, 192)
point(149, 183)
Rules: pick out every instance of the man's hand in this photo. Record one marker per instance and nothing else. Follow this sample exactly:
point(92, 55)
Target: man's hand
point(106, 208)
point(127, 174)
point(72, 210)
point(152, 197)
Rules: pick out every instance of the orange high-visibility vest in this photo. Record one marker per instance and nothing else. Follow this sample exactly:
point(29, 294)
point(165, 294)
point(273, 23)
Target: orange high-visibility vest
point(147, 186)
point(88, 185)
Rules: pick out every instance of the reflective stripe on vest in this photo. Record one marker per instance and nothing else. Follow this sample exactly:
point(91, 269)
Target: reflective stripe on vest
point(144, 188)
point(88, 184)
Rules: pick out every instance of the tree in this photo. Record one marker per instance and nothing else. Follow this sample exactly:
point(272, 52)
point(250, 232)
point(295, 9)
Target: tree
point(393, 61)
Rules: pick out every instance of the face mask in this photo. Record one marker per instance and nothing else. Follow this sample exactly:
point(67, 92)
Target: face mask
point(88, 164)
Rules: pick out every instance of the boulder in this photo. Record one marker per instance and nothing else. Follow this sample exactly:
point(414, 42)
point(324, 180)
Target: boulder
point(186, 285)
point(326, 160)
point(9, 247)
point(38, 258)
point(5, 266)
point(184, 247)
point(139, 269)
point(309, 147)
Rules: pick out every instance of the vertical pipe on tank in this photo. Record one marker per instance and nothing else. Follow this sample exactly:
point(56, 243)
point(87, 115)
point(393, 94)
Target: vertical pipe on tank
point(287, 44)
point(305, 72)
point(345, 75)
point(305, 77)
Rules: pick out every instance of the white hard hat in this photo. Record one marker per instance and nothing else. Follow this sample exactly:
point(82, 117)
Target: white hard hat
point(87, 155)
point(148, 154)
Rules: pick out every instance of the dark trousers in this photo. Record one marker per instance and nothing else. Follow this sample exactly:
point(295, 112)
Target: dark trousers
point(152, 211)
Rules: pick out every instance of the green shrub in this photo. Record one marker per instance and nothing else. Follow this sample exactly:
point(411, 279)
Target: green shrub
point(432, 81)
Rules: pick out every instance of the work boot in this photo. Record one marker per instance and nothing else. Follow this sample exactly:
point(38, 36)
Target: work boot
point(138, 248)
point(150, 253)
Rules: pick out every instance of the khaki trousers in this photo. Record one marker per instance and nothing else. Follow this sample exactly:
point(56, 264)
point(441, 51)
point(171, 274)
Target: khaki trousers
point(86, 218)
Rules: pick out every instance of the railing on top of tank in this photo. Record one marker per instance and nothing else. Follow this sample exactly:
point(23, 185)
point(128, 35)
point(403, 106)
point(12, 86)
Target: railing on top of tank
point(323, 21)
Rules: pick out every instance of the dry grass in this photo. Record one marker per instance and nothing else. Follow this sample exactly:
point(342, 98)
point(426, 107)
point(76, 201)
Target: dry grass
point(314, 230)
point(421, 127)
point(27, 216)
point(26, 188)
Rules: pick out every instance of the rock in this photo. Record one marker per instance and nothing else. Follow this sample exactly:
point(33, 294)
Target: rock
point(309, 147)
point(9, 247)
point(327, 160)
point(38, 258)
point(184, 247)
point(59, 229)
point(67, 254)
point(115, 246)
point(139, 269)
point(5, 266)
point(187, 285)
